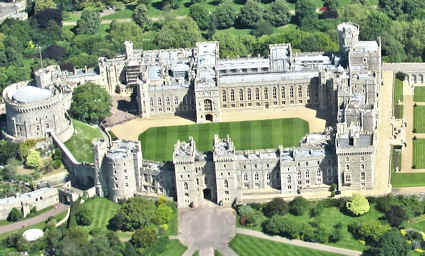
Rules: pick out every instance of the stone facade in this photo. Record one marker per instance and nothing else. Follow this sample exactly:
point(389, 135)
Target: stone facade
point(33, 112)
point(38, 199)
point(14, 10)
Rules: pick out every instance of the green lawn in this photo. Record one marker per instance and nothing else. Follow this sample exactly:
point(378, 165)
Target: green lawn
point(399, 180)
point(158, 143)
point(121, 14)
point(419, 154)
point(419, 119)
point(80, 143)
point(417, 223)
point(395, 159)
point(245, 245)
point(174, 248)
point(419, 94)
point(101, 210)
point(398, 97)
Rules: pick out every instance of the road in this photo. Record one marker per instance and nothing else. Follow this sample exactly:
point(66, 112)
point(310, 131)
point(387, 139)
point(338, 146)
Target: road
point(31, 221)
point(314, 246)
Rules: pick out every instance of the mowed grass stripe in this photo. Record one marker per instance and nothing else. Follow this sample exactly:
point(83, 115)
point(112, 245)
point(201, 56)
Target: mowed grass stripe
point(419, 153)
point(158, 143)
point(245, 245)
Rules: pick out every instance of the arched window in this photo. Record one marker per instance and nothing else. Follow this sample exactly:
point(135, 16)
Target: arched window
point(208, 105)
point(283, 93)
point(232, 95)
point(291, 92)
point(245, 176)
point(307, 174)
point(226, 184)
point(249, 93)
point(159, 101)
point(300, 92)
point(224, 96)
point(167, 100)
point(266, 93)
point(186, 187)
point(257, 93)
point(256, 177)
point(240, 94)
point(274, 92)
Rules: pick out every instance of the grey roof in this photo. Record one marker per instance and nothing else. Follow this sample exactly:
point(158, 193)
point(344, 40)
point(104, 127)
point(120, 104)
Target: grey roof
point(362, 141)
point(29, 94)
point(154, 73)
point(121, 149)
point(267, 77)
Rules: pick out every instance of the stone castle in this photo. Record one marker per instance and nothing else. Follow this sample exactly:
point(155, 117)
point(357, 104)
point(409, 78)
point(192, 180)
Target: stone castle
point(196, 82)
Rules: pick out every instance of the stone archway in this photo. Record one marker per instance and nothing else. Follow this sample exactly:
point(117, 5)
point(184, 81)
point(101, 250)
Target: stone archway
point(209, 117)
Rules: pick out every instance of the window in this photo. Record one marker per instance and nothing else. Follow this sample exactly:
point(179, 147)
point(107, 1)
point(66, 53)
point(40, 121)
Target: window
point(347, 177)
point(224, 96)
point(347, 167)
point(249, 93)
point(240, 94)
point(186, 187)
point(363, 176)
point(167, 100)
point(268, 176)
point(176, 100)
point(274, 92)
point(283, 93)
point(226, 184)
point(151, 101)
point(288, 179)
point(245, 176)
point(208, 105)
point(300, 92)
point(159, 101)
point(257, 93)
point(362, 166)
point(299, 175)
point(266, 93)
point(347, 159)
point(232, 95)
point(362, 158)
point(307, 174)
point(291, 92)
point(289, 187)
point(256, 177)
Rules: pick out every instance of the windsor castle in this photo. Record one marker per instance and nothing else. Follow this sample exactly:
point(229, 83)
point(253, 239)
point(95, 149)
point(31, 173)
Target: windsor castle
point(197, 83)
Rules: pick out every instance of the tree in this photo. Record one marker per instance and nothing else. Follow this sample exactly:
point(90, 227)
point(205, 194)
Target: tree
point(396, 215)
point(370, 231)
point(299, 206)
point(8, 150)
point(279, 13)
point(40, 5)
point(178, 33)
point(89, 22)
point(331, 4)
point(33, 159)
point(262, 28)
point(90, 103)
point(233, 46)
point(305, 14)
point(276, 206)
point(392, 243)
point(54, 52)
point(14, 215)
point(144, 237)
point(83, 216)
point(120, 32)
point(281, 225)
point(374, 25)
point(317, 41)
point(201, 15)
point(140, 16)
point(249, 14)
point(9, 171)
point(358, 205)
point(393, 8)
point(225, 16)
point(251, 216)
point(43, 17)
point(163, 214)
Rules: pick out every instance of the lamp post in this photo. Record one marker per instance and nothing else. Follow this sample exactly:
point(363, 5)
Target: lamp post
point(41, 57)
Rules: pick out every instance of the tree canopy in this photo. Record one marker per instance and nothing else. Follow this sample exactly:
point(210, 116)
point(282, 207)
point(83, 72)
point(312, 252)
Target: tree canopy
point(90, 103)
point(178, 33)
point(358, 205)
point(89, 22)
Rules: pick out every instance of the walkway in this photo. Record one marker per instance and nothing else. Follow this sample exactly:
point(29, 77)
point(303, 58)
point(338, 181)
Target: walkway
point(74, 23)
point(314, 246)
point(32, 221)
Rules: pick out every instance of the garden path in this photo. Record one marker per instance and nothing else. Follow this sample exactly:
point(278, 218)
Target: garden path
point(314, 246)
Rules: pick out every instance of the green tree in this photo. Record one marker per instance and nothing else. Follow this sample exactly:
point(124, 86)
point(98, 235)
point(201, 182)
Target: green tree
point(250, 216)
point(262, 28)
point(281, 225)
point(225, 16)
point(90, 103)
point(249, 14)
point(89, 22)
point(393, 8)
point(201, 15)
point(163, 214)
point(233, 46)
point(144, 237)
point(33, 159)
point(358, 205)
point(14, 215)
point(305, 14)
point(9, 171)
point(8, 150)
point(317, 41)
point(276, 206)
point(299, 206)
point(392, 243)
point(178, 33)
point(370, 231)
point(121, 32)
point(83, 217)
point(40, 5)
point(331, 4)
point(278, 14)
point(374, 25)
point(396, 215)
point(140, 16)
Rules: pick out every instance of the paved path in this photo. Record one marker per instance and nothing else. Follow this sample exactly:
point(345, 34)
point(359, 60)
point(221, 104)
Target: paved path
point(31, 221)
point(314, 246)
point(74, 23)
point(205, 228)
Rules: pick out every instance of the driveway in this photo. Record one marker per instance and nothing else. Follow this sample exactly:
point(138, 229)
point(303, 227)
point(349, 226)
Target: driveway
point(206, 228)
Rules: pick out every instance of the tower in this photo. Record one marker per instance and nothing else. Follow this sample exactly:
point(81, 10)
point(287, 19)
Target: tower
point(348, 36)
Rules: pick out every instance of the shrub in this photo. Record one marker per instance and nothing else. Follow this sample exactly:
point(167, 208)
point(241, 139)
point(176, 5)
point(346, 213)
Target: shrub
point(358, 205)
point(276, 207)
point(369, 231)
point(396, 215)
point(14, 215)
point(145, 237)
point(57, 164)
point(253, 217)
point(83, 217)
point(33, 159)
point(299, 206)
point(283, 226)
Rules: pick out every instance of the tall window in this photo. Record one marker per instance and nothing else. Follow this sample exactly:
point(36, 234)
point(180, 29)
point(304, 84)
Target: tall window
point(283, 93)
point(232, 95)
point(257, 93)
point(274, 93)
point(186, 187)
point(363, 176)
point(226, 184)
point(288, 179)
point(224, 96)
point(300, 92)
point(159, 101)
point(240, 94)
point(176, 100)
point(266, 93)
point(256, 177)
point(291, 92)
point(268, 176)
point(245, 176)
point(208, 105)
point(167, 100)
point(151, 101)
point(307, 174)
point(249, 93)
